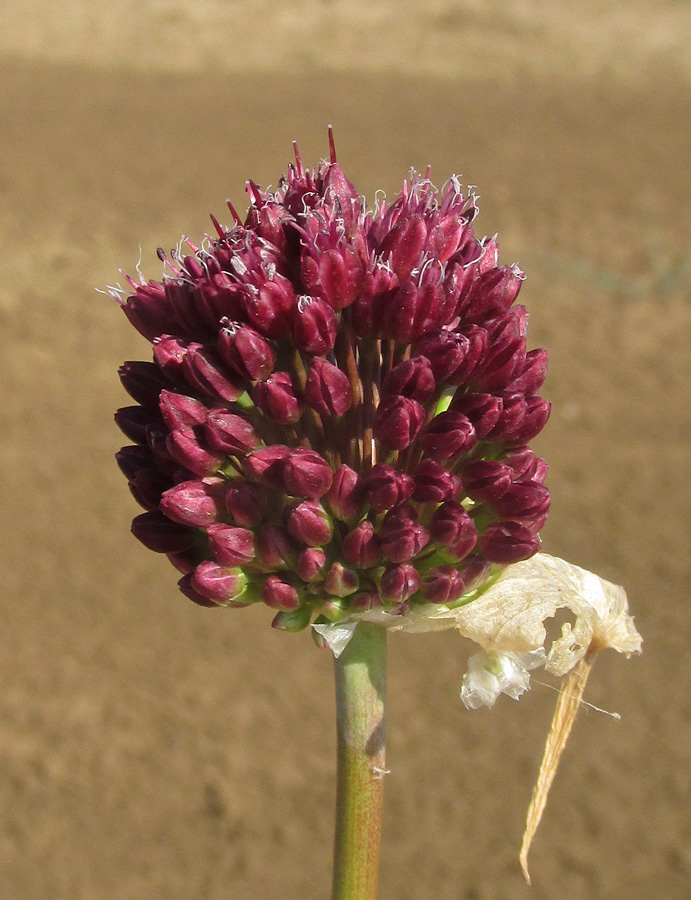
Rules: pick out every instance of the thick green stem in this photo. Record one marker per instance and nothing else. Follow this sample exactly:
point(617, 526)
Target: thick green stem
point(361, 734)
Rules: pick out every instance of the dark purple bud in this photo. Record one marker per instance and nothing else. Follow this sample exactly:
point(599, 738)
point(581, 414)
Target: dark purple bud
point(276, 397)
point(149, 311)
point(341, 581)
point(340, 277)
point(307, 474)
point(403, 245)
point(266, 466)
point(413, 378)
point(169, 354)
point(486, 480)
point(183, 445)
point(398, 422)
point(327, 389)
point(231, 546)
point(132, 459)
point(508, 542)
point(447, 435)
point(225, 586)
point(500, 364)
point(278, 594)
point(243, 503)
point(361, 547)
point(274, 548)
point(399, 583)
point(445, 352)
point(522, 462)
point(483, 410)
point(179, 411)
point(365, 600)
point(474, 570)
point(246, 352)
point(434, 483)
point(191, 503)
point(314, 326)
point(477, 347)
point(135, 422)
point(184, 562)
point(531, 375)
point(335, 188)
point(368, 310)
point(413, 311)
point(228, 433)
point(143, 381)
point(269, 308)
point(402, 538)
point(311, 564)
point(513, 412)
point(308, 522)
point(442, 584)
point(345, 494)
point(159, 534)
point(205, 372)
point(492, 293)
point(536, 416)
point(386, 487)
point(147, 486)
point(452, 526)
point(527, 503)
point(185, 585)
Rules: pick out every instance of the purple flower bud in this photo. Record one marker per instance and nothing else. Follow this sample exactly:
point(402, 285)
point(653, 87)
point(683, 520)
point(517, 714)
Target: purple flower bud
point(452, 526)
point(477, 347)
point(445, 352)
point(314, 326)
point(185, 585)
point(143, 381)
point(365, 601)
point(399, 583)
point(341, 581)
point(527, 503)
point(179, 411)
point(225, 586)
point(442, 584)
point(277, 399)
point(132, 459)
point(169, 354)
point(205, 372)
point(345, 494)
point(513, 412)
point(361, 547)
point(308, 522)
point(386, 487)
point(266, 466)
point(536, 416)
point(274, 548)
point(502, 361)
point(340, 276)
point(402, 538)
point(492, 293)
point(448, 434)
point(269, 308)
point(474, 570)
point(191, 503)
point(278, 594)
point(522, 462)
point(243, 503)
point(227, 433)
point(541, 469)
point(183, 445)
point(368, 310)
point(413, 311)
point(508, 542)
point(434, 483)
point(483, 410)
point(413, 378)
point(149, 312)
point(337, 190)
point(159, 534)
point(531, 375)
point(311, 564)
point(398, 422)
point(403, 246)
point(147, 486)
point(246, 352)
point(327, 389)
point(135, 421)
point(486, 480)
point(231, 546)
point(307, 474)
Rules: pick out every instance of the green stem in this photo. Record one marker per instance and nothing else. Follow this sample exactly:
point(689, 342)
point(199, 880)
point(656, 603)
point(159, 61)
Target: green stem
point(361, 735)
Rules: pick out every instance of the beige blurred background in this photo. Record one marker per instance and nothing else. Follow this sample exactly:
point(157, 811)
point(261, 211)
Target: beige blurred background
point(150, 748)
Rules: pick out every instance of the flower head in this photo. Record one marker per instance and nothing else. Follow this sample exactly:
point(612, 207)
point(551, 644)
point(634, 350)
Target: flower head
point(339, 404)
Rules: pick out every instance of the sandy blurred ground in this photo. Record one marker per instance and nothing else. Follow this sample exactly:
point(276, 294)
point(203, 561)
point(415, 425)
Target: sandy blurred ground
point(149, 748)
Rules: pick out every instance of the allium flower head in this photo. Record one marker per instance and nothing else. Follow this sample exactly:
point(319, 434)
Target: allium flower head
point(339, 405)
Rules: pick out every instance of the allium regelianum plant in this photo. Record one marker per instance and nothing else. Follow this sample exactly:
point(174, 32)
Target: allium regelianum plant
point(335, 424)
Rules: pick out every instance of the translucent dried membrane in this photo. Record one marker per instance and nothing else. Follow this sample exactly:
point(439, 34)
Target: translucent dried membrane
point(507, 621)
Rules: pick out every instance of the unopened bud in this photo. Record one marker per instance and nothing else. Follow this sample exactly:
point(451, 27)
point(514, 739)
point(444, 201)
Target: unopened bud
point(276, 398)
point(307, 474)
point(266, 466)
point(231, 546)
point(311, 564)
point(442, 584)
point(160, 534)
point(327, 389)
point(508, 542)
point(143, 381)
point(225, 586)
point(314, 326)
point(447, 435)
point(398, 422)
point(434, 483)
point(246, 352)
point(184, 446)
point(341, 581)
point(486, 480)
point(413, 378)
point(402, 538)
point(399, 583)
point(452, 526)
point(280, 595)
point(345, 494)
point(191, 503)
point(179, 411)
point(386, 487)
point(308, 522)
point(229, 433)
point(361, 547)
